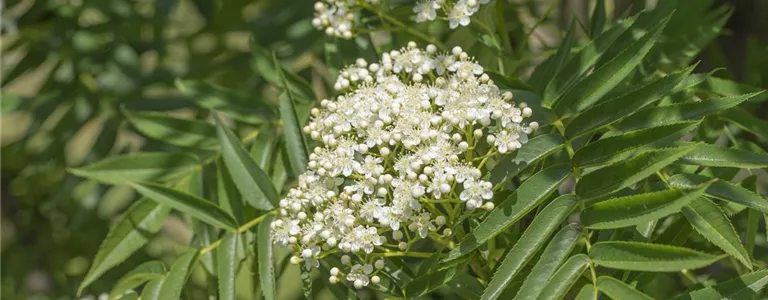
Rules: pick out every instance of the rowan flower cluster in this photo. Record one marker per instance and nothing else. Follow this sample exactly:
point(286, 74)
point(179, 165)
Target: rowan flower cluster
point(338, 17)
point(400, 159)
point(458, 13)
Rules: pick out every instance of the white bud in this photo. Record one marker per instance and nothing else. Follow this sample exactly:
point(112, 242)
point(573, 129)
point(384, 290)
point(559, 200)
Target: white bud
point(384, 151)
point(456, 50)
point(382, 192)
point(489, 206)
point(463, 146)
point(527, 112)
point(478, 133)
point(397, 235)
point(402, 245)
point(306, 253)
point(375, 279)
point(379, 264)
point(295, 260)
point(447, 232)
point(334, 271)
point(345, 259)
point(534, 125)
point(333, 279)
point(440, 220)
point(358, 284)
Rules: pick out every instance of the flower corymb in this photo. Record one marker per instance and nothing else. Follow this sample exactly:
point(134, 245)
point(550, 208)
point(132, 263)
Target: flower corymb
point(401, 158)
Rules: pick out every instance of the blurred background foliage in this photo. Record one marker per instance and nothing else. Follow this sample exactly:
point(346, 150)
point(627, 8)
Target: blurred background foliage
point(75, 71)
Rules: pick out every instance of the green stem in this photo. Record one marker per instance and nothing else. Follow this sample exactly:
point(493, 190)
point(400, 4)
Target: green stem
point(240, 229)
point(403, 254)
point(406, 28)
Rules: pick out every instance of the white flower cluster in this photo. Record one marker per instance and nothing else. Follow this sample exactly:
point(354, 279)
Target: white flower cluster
point(401, 154)
point(458, 14)
point(337, 17)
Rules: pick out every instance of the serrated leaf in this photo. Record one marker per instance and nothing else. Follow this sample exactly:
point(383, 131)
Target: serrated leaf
point(570, 74)
point(748, 122)
point(527, 197)
point(466, 286)
point(676, 113)
point(196, 207)
point(635, 256)
point(424, 284)
point(725, 87)
point(264, 147)
point(543, 225)
point(306, 281)
point(240, 107)
point(144, 272)
point(623, 174)
point(616, 289)
point(554, 255)
point(722, 190)
point(615, 148)
point(714, 156)
point(565, 277)
point(151, 291)
point(141, 166)
point(253, 183)
point(597, 20)
point(227, 262)
point(608, 76)
point(637, 209)
point(712, 223)
point(536, 149)
point(226, 192)
point(294, 140)
point(743, 287)
point(612, 110)
point(177, 276)
point(547, 70)
point(130, 233)
point(168, 129)
point(266, 259)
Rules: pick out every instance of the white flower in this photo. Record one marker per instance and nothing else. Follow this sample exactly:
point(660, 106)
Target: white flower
point(475, 192)
point(459, 14)
point(426, 10)
point(400, 137)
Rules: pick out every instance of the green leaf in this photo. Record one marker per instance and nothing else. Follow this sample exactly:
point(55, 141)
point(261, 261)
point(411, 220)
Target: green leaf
point(714, 156)
point(623, 174)
point(199, 208)
point(227, 262)
point(637, 209)
point(131, 232)
point(748, 122)
point(422, 285)
point(743, 287)
point(142, 166)
point(725, 87)
point(671, 114)
point(263, 148)
point(177, 276)
point(240, 107)
point(466, 286)
point(554, 255)
point(527, 197)
point(151, 291)
point(253, 183)
point(294, 140)
point(712, 223)
point(619, 107)
point(565, 277)
point(536, 149)
point(616, 289)
point(264, 65)
point(547, 70)
point(144, 272)
point(607, 76)
point(546, 222)
point(174, 131)
point(306, 281)
point(611, 149)
point(226, 192)
point(597, 22)
point(266, 259)
point(648, 257)
point(722, 190)
point(571, 73)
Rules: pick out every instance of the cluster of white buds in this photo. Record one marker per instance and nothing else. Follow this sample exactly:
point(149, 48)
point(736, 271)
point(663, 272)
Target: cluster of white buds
point(337, 17)
point(402, 155)
point(458, 14)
